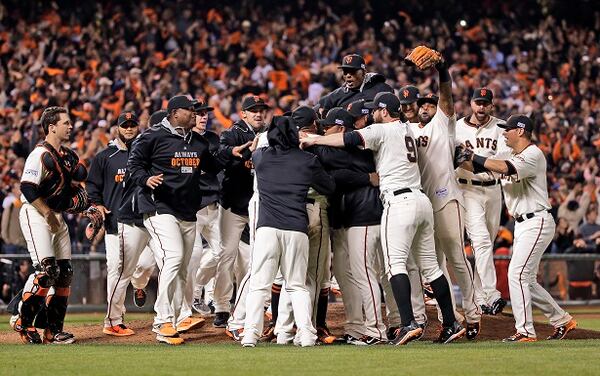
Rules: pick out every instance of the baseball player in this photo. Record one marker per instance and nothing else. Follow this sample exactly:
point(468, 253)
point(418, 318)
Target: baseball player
point(482, 195)
point(408, 103)
point(235, 197)
point(146, 262)
point(434, 134)
point(48, 189)
point(281, 236)
point(526, 194)
point(358, 84)
point(395, 154)
point(105, 189)
point(168, 160)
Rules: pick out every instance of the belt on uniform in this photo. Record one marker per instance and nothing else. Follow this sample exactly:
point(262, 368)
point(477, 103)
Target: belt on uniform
point(310, 201)
point(405, 190)
point(478, 183)
point(523, 217)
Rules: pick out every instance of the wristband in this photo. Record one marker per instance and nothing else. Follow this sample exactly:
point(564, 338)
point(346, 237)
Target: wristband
point(479, 164)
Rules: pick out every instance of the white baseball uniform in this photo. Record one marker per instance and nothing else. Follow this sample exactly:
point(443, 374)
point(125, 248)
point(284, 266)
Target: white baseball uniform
point(483, 203)
point(144, 269)
point(526, 195)
point(395, 153)
point(435, 142)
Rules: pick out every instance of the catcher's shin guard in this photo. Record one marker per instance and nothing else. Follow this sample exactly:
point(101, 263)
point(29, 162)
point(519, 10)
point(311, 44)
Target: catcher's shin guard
point(32, 300)
point(57, 300)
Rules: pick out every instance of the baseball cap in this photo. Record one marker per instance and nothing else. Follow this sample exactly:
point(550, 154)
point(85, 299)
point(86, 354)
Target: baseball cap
point(127, 117)
point(253, 101)
point(357, 108)
point(408, 94)
point(338, 116)
point(181, 101)
point(157, 117)
point(483, 94)
point(353, 61)
point(518, 122)
point(202, 106)
point(384, 100)
point(303, 116)
point(429, 98)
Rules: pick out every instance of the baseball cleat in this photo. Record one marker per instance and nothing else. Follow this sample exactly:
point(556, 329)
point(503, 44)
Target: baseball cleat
point(139, 297)
point(30, 336)
point(371, 341)
point(268, 334)
point(497, 306)
point(248, 344)
point(202, 308)
point(165, 330)
point(325, 336)
point(349, 339)
point(60, 338)
point(485, 309)
point(561, 331)
point(473, 329)
point(235, 334)
point(518, 337)
point(221, 319)
point(408, 333)
point(118, 331)
point(190, 323)
point(173, 341)
point(451, 333)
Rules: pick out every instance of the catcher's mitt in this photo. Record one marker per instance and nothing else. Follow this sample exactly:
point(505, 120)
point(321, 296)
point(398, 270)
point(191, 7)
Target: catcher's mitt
point(96, 222)
point(462, 154)
point(78, 201)
point(423, 57)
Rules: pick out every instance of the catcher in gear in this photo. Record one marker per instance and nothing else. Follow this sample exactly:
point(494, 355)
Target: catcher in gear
point(48, 189)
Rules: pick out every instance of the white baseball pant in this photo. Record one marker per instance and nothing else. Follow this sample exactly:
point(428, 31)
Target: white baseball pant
point(482, 220)
point(207, 227)
point(354, 324)
point(123, 251)
point(231, 227)
point(41, 243)
point(144, 269)
point(286, 250)
point(532, 237)
point(174, 240)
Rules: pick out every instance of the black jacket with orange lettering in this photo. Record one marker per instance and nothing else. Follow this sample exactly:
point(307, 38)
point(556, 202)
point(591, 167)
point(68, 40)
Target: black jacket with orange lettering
point(181, 159)
point(238, 181)
point(104, 182)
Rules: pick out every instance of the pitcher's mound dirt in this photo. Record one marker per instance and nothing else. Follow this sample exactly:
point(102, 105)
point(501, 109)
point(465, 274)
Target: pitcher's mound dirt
point(493, 328)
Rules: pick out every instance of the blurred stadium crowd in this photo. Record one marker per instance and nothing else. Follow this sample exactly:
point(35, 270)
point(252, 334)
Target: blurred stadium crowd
point(97, 59)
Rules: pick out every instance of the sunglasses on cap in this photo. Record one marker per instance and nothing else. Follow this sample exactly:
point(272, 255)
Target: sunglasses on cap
point(129, 124)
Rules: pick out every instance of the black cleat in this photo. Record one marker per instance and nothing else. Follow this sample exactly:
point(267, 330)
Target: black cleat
point(30, 336)
point(60, 338)
point(221, 319)
point(561, 331)
point(497, 306)
point(473, 330)
point(451, 333)
point(407, 333)
point(372, 341)
point(485, 309)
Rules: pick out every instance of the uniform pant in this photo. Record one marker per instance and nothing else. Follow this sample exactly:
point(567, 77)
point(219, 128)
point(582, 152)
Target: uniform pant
point(123, 252)
point(532, 237)
point(207, 227)
point(449, 245)
point(363, 247)
point(41, 243)
point(407, 226)
point(231, 226)
point(144, 269)
point(174, 241)
point(238, 314)
point(482, 220)
point(416, 290)
point(354, 324)
point(318, 273)
point(286, 250)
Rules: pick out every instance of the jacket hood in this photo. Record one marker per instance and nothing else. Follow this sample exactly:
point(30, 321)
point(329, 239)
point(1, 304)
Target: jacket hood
point(371, 79)
point(283, 133)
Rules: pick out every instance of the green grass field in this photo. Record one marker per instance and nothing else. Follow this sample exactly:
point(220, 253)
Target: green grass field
point(544, 358)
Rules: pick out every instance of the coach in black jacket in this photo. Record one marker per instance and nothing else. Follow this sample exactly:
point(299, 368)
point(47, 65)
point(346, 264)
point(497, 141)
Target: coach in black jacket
point(281, 237)
point(235, 195)
point(358, 84)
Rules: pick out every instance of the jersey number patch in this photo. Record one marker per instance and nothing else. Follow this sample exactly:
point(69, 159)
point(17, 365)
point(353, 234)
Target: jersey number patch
point(412, 150)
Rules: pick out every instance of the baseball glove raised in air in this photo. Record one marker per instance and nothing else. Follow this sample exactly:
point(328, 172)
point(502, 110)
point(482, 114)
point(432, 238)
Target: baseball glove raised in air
point(96, 222)
point(462, 154)
point(423, 57)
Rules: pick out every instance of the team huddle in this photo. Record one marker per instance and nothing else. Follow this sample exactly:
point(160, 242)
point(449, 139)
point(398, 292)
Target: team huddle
point(368, 187)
